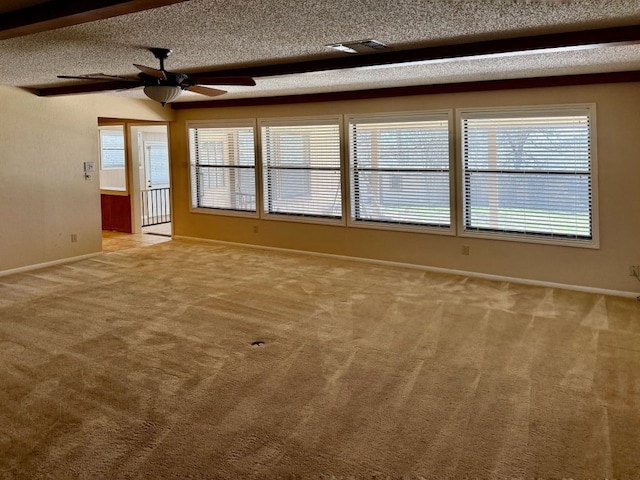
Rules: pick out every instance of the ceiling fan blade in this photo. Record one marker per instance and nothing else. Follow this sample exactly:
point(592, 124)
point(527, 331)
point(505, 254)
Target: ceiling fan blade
point(97, 76)
point(88, 87)
point(245, 81)
point(152, 72)
point(210, 92)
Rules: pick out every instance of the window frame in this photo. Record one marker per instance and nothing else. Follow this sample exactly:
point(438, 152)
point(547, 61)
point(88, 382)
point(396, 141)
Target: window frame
point(109, 189)
point(338, 121)
point(224, 124)
point(112, 128)
point(529, 111)
point(399, 117)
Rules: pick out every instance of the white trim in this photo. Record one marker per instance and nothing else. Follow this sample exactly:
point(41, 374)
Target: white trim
point(485, 276)
point(302, 218)
point(531, 238)
point(345, 176)
point(595, 180)
point(224, 212)
point(261, 146)
point(221, 124)
point(395, 116)
point(28, 268)
point(567, 109)
point(301, 121)
point(402, 227)
point(399, 117)
point(115, 193)
point(523, 112)
point(118, 129)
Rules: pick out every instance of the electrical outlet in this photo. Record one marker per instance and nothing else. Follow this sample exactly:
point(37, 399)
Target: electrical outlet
point(634, 271)
point(74, 238)
point(255, 229)
point(465, 250)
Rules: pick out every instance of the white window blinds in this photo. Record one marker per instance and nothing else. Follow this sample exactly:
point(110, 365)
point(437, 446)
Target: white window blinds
point(112, 147)
point(113, 172)
point(223, 168)
point(301, 168)
point(399, 170)
point(528, 173)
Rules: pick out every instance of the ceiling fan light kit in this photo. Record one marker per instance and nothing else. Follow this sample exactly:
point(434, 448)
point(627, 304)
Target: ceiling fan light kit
point(162, 93)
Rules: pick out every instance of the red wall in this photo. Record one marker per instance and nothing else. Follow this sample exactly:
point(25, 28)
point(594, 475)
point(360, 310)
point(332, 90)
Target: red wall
point(116, 213)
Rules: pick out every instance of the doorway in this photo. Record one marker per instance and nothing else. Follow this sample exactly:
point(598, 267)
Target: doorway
point(150, 156)
point(141, 200)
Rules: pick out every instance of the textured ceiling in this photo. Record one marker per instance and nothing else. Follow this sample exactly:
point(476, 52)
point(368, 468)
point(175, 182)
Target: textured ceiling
point(217, 34)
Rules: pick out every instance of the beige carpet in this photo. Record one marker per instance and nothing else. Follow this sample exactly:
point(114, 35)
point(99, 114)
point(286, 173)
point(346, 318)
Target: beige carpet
point(140, 364)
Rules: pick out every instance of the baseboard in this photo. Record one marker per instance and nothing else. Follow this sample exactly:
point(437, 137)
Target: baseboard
point(28, 268)
point(485, 276)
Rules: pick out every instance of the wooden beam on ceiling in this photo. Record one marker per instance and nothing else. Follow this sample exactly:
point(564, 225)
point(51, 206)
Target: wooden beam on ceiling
point(547, 43)
point(80, 88)
point(64, 13)
point(436, 89)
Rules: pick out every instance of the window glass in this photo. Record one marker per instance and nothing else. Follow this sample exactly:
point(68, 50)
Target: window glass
point(301, 169)
point(528, 174)
point(113, 173)
point(223, 168)
point(399, 171)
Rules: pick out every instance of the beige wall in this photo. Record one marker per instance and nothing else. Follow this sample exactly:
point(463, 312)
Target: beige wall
point(618, 144)
point(44, 197)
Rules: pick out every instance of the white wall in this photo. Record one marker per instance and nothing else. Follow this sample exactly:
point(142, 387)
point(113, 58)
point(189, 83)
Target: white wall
point(44, 197)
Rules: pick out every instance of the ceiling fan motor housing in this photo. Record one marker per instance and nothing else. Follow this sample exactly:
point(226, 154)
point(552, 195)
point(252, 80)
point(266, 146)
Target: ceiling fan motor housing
point(173, 79)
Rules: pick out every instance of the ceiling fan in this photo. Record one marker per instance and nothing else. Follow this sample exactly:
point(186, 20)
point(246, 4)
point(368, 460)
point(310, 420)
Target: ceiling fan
point(161, 85)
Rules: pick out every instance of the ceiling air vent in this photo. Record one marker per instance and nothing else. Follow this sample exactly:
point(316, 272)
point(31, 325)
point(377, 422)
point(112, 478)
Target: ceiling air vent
point(360, 46)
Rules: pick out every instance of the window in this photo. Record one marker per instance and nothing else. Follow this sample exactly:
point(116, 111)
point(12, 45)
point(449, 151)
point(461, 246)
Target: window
point(113, 174)
point(399, 170)
point(301, 168)
point(223, 167)
point(529, 173)
point(112, 147)
point(522, 173)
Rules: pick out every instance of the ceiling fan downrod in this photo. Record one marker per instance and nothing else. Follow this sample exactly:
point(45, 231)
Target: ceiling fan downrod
point(161, 54)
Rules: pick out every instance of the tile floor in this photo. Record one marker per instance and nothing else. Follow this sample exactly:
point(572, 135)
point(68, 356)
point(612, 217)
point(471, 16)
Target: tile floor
point(162, 229)
point(115, 241)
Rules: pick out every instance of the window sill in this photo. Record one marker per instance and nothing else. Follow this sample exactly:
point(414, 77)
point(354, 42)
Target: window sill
point(537, 239)
point(402, 227)
point(224, 213)
point(284, 217)
point(121, 193)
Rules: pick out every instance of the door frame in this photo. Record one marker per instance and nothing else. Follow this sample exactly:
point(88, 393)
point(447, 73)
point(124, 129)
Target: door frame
point(133, 190)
